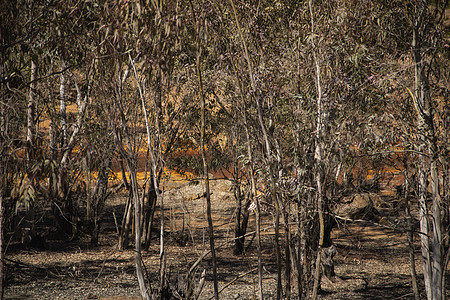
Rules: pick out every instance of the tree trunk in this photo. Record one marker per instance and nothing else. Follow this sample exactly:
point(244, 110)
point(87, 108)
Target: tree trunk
point(409, 234)
point(238, 242)
point(318, 158)
point(69, 205)
point(255, 198)
point(124, 174)
point(206, 175)
point(156, 164)
point(287, 265)
point(423, 220)
point(300, 248)
point(267, 149)
point(62, 106)
point(422, 100)
point(99, 195)
point(2, 270)
point(438, 268)
point(242, 215)
point(137, 233)
point(152, 199)
point(126, 224)
point(31, 116)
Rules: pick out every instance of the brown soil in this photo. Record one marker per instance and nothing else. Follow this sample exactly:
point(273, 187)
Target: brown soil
point(372, 261)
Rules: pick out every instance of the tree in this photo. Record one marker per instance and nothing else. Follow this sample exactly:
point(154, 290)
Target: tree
point(425, 25)
point(197, 21)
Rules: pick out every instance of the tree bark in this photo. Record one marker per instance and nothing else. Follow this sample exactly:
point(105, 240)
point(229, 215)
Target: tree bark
point(433, 258)
point(318, 157)
point(98, 197)
point(438, 267)
point(126, 224)
point(423, 220)
point(258, 208)
point(409, 234)
point(152, 199)
point(62, 106)
point(137, 233)
point(2, 270)
point(287, 265)
point(31, 115)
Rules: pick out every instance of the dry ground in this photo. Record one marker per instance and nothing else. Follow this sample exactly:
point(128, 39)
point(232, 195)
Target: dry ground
point(372, 261)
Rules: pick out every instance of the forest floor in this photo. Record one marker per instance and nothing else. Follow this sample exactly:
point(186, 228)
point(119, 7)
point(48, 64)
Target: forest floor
point(372, 261)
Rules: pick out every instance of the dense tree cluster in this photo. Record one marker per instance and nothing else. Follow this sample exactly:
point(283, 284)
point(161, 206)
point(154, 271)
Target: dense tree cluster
point(294, 101)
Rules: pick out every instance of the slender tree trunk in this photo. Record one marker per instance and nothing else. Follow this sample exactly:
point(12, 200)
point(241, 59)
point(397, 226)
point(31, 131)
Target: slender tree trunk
point(3, 174)
point(423, 220)
point(31, 135)
point(446, 210)
point(300, 248)
point(162, 252)
point(69, 205)
point(131, 160)
point(62, 106)
point(87, 173)
point(146, 206)
point(432, 258)
point(2, 270)
point(318, 156)
point(155, 165)
point(206, 176)
point(124, 174)
point(253, 196)
point(126, 224)
point(52, 141)
point(422, 99)
point(438, 270)
point(63, 190)
point(321, 237)
point(152, 199)
point(207, 193)
point(258, 208)
point(409, 234)
point(238, 242)
point(437, 220)
point(137, 234)
point(98, 197)
point(287, 240)
point(423, 209)
point(268, 151)
point(31, 115)
point(298, 255)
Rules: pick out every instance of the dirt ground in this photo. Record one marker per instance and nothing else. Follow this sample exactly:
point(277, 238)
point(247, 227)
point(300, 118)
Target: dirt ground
point(372, 261)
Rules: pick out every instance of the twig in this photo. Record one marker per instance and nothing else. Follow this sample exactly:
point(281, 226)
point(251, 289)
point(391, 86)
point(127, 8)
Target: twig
point(199, 288)
point(115, 222)
point(62, 214)
point(103, 265)
point(234, 280)
point(403, 296)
